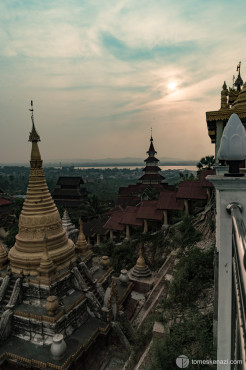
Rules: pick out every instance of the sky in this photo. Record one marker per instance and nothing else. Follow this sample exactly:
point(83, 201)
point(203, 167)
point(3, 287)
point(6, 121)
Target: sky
point(102, 73)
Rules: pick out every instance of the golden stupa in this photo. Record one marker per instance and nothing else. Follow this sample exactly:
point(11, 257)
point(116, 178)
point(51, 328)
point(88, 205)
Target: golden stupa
point(140, 270)
point(40, 225)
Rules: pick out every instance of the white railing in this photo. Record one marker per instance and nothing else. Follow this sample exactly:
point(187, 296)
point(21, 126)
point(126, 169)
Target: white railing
point(238, 319)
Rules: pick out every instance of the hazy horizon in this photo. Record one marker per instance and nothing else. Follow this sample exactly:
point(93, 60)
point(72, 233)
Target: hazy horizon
point(101, 74)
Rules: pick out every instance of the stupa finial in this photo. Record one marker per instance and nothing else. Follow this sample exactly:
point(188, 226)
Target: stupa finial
point(239, 82)
point(34, 136)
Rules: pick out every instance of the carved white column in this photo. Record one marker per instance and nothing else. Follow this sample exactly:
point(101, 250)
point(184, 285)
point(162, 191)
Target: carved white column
point(228, 189)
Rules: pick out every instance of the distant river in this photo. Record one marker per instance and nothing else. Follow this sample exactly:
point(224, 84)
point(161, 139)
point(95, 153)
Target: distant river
point(163, 168)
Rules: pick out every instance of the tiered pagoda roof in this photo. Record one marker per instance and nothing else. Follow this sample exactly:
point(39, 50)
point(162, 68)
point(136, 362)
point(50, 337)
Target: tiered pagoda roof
point(151, 171)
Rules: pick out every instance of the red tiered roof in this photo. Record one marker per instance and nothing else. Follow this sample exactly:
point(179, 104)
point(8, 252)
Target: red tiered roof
point(168, 201)
point(191, 190)
point(148, 211)
point(114, 222)
point(130, 217)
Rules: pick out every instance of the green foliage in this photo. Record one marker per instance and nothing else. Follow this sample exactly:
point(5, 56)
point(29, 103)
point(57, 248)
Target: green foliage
point(205, 163)
point(187, 176)
point(105, 249)
point(9, 240)
point(122, 256)
point(193, 273)
point(191, 337)
point(187, 235)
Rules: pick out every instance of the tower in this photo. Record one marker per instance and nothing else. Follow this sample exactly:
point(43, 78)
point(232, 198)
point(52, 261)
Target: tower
point(151, 170)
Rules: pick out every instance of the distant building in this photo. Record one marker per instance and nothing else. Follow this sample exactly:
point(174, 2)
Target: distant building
point(70, 192)
point(151, 170)
point(148, 186)
point(232, 101)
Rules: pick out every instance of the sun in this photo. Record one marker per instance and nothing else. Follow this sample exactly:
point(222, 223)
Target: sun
point(172, 85)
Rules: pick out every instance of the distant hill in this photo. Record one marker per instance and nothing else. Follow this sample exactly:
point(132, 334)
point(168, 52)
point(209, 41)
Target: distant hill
point(127, 161)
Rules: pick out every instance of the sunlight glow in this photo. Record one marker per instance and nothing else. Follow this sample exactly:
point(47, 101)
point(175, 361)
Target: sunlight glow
point(172, 85)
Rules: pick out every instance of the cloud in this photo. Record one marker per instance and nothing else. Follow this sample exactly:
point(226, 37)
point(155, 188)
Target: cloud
point(98, 72)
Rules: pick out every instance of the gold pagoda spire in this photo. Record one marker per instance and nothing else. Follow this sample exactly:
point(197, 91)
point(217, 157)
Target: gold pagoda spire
point(141, 261)
point(39, 219)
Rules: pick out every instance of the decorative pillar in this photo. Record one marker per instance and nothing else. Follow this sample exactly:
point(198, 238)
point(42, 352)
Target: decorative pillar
point(165, 222)
point(186, 205)
point(229, 188)
point(98, 239)
point(145, 227)
point(127, 232)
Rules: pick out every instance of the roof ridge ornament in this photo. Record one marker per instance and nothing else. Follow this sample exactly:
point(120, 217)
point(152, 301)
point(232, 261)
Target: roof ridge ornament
point(239, 82)
point(34, 136)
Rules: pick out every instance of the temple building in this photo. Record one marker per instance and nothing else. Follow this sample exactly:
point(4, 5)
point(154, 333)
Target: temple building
point(70, 192)
point(151, 170)
point(232, 101)
point(51, 300)
point(148, 186)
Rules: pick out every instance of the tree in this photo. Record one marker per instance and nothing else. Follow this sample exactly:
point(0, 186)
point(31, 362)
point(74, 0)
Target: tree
point(205, 163)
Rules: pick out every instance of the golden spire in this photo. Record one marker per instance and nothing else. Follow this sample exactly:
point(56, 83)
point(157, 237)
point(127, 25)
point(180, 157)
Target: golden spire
point(39, 218)
point(141, 261)
point(81, 245)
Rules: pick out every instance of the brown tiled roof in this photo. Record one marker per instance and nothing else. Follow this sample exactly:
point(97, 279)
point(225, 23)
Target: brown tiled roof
point(148, 210)
point(130, 217)
point(205, 183)
point(191, 190)
point(167, 200)
point(114, 220)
